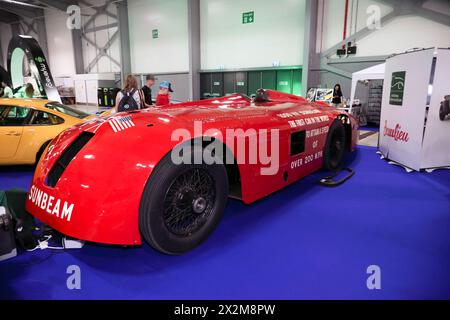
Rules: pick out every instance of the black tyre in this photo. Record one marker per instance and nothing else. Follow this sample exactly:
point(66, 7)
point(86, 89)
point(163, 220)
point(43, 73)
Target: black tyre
point(182, 204)
point(444, 110)
point(334, 151)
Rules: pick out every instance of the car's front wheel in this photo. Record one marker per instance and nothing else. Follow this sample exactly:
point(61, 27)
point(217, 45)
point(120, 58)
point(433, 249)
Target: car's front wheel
point(334, 151)
point(182, 204)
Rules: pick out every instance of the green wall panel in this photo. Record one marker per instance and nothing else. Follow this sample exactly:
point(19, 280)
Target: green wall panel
point(248, 82)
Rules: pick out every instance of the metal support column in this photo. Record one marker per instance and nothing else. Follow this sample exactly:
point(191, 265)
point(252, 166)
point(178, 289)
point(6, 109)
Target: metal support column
point(311, 59)
point(124, 30)
point(194, 49)
point(78, 51)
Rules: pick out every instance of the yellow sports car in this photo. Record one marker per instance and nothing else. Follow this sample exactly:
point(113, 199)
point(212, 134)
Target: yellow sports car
point(28, 125)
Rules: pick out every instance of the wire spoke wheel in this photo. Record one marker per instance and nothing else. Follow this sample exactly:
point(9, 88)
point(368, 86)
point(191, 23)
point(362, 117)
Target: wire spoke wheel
point(189, 202)
point(182, 204)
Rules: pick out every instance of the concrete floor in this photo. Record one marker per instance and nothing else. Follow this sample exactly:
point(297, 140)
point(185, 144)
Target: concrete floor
point(368, 138)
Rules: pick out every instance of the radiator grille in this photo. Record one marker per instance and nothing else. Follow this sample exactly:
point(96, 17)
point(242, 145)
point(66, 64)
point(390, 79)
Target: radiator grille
point(60, 166)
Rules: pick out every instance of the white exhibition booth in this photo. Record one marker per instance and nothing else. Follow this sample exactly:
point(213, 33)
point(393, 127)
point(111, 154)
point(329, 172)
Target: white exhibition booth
point(373, 73)
point(411, 131)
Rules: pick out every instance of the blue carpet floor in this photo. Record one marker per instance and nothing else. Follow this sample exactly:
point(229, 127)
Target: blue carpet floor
point(305, 242)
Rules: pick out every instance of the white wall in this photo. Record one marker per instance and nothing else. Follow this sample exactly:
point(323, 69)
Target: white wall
point(60, 47)
point(170, 52)
point(401, 35)
point(276, 35)
point(398, 35)
point(333, 22)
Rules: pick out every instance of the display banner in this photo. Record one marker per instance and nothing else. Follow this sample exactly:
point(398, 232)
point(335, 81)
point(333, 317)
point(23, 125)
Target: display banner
point(405, 93)
point(24, 46)
point(436, 144)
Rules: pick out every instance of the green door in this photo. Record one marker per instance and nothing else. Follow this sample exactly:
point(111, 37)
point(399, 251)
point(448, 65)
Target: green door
point(297, 82)
point(241, 82)
point(229, 79)
point(205, 85)
point(254, 82)
point(269, 80)
point(217, 84)
point(284, 81)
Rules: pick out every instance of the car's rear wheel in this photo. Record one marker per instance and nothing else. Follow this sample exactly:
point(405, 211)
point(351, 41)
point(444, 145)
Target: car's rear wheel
point(334, 151)
point(182, 204)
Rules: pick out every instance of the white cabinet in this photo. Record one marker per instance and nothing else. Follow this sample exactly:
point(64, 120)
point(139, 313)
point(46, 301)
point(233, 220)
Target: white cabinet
point(86, 86)
point(80, 91)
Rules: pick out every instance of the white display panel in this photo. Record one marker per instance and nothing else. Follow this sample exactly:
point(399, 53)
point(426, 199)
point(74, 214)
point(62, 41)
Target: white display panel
point(436, 144)
point(402, 122)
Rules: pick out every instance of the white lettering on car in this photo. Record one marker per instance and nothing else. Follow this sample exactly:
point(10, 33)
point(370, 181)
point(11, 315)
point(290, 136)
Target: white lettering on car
point(50, 204)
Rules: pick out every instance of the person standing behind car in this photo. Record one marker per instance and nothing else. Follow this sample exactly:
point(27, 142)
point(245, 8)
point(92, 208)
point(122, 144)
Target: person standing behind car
point(163, 97)
point(26, 92)
point(130, 98)
point(147, 90)
point(7, 91)
point(337, 96)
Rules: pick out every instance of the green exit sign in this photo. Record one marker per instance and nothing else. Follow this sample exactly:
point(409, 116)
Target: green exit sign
point(155, 34)
point(248, 17)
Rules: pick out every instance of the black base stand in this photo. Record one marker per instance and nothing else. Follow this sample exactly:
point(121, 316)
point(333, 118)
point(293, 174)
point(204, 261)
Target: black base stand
point(331, 183)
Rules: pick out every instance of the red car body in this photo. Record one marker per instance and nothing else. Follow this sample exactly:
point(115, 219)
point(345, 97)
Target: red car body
point(98, 195)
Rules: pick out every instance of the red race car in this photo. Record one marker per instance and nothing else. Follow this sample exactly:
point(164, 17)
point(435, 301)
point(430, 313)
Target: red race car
point(164, 174)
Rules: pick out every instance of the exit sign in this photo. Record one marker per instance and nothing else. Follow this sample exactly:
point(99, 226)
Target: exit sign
point(248, 17)
point(155, 34)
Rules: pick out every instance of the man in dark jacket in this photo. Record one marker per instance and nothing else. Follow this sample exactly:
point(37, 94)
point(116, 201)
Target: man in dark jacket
point(147, 90)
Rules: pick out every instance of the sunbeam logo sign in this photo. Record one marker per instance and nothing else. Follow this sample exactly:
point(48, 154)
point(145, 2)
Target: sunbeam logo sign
point(397, 88)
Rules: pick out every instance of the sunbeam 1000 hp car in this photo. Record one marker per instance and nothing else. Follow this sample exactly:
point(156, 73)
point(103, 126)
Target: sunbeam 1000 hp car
point(164, 174)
